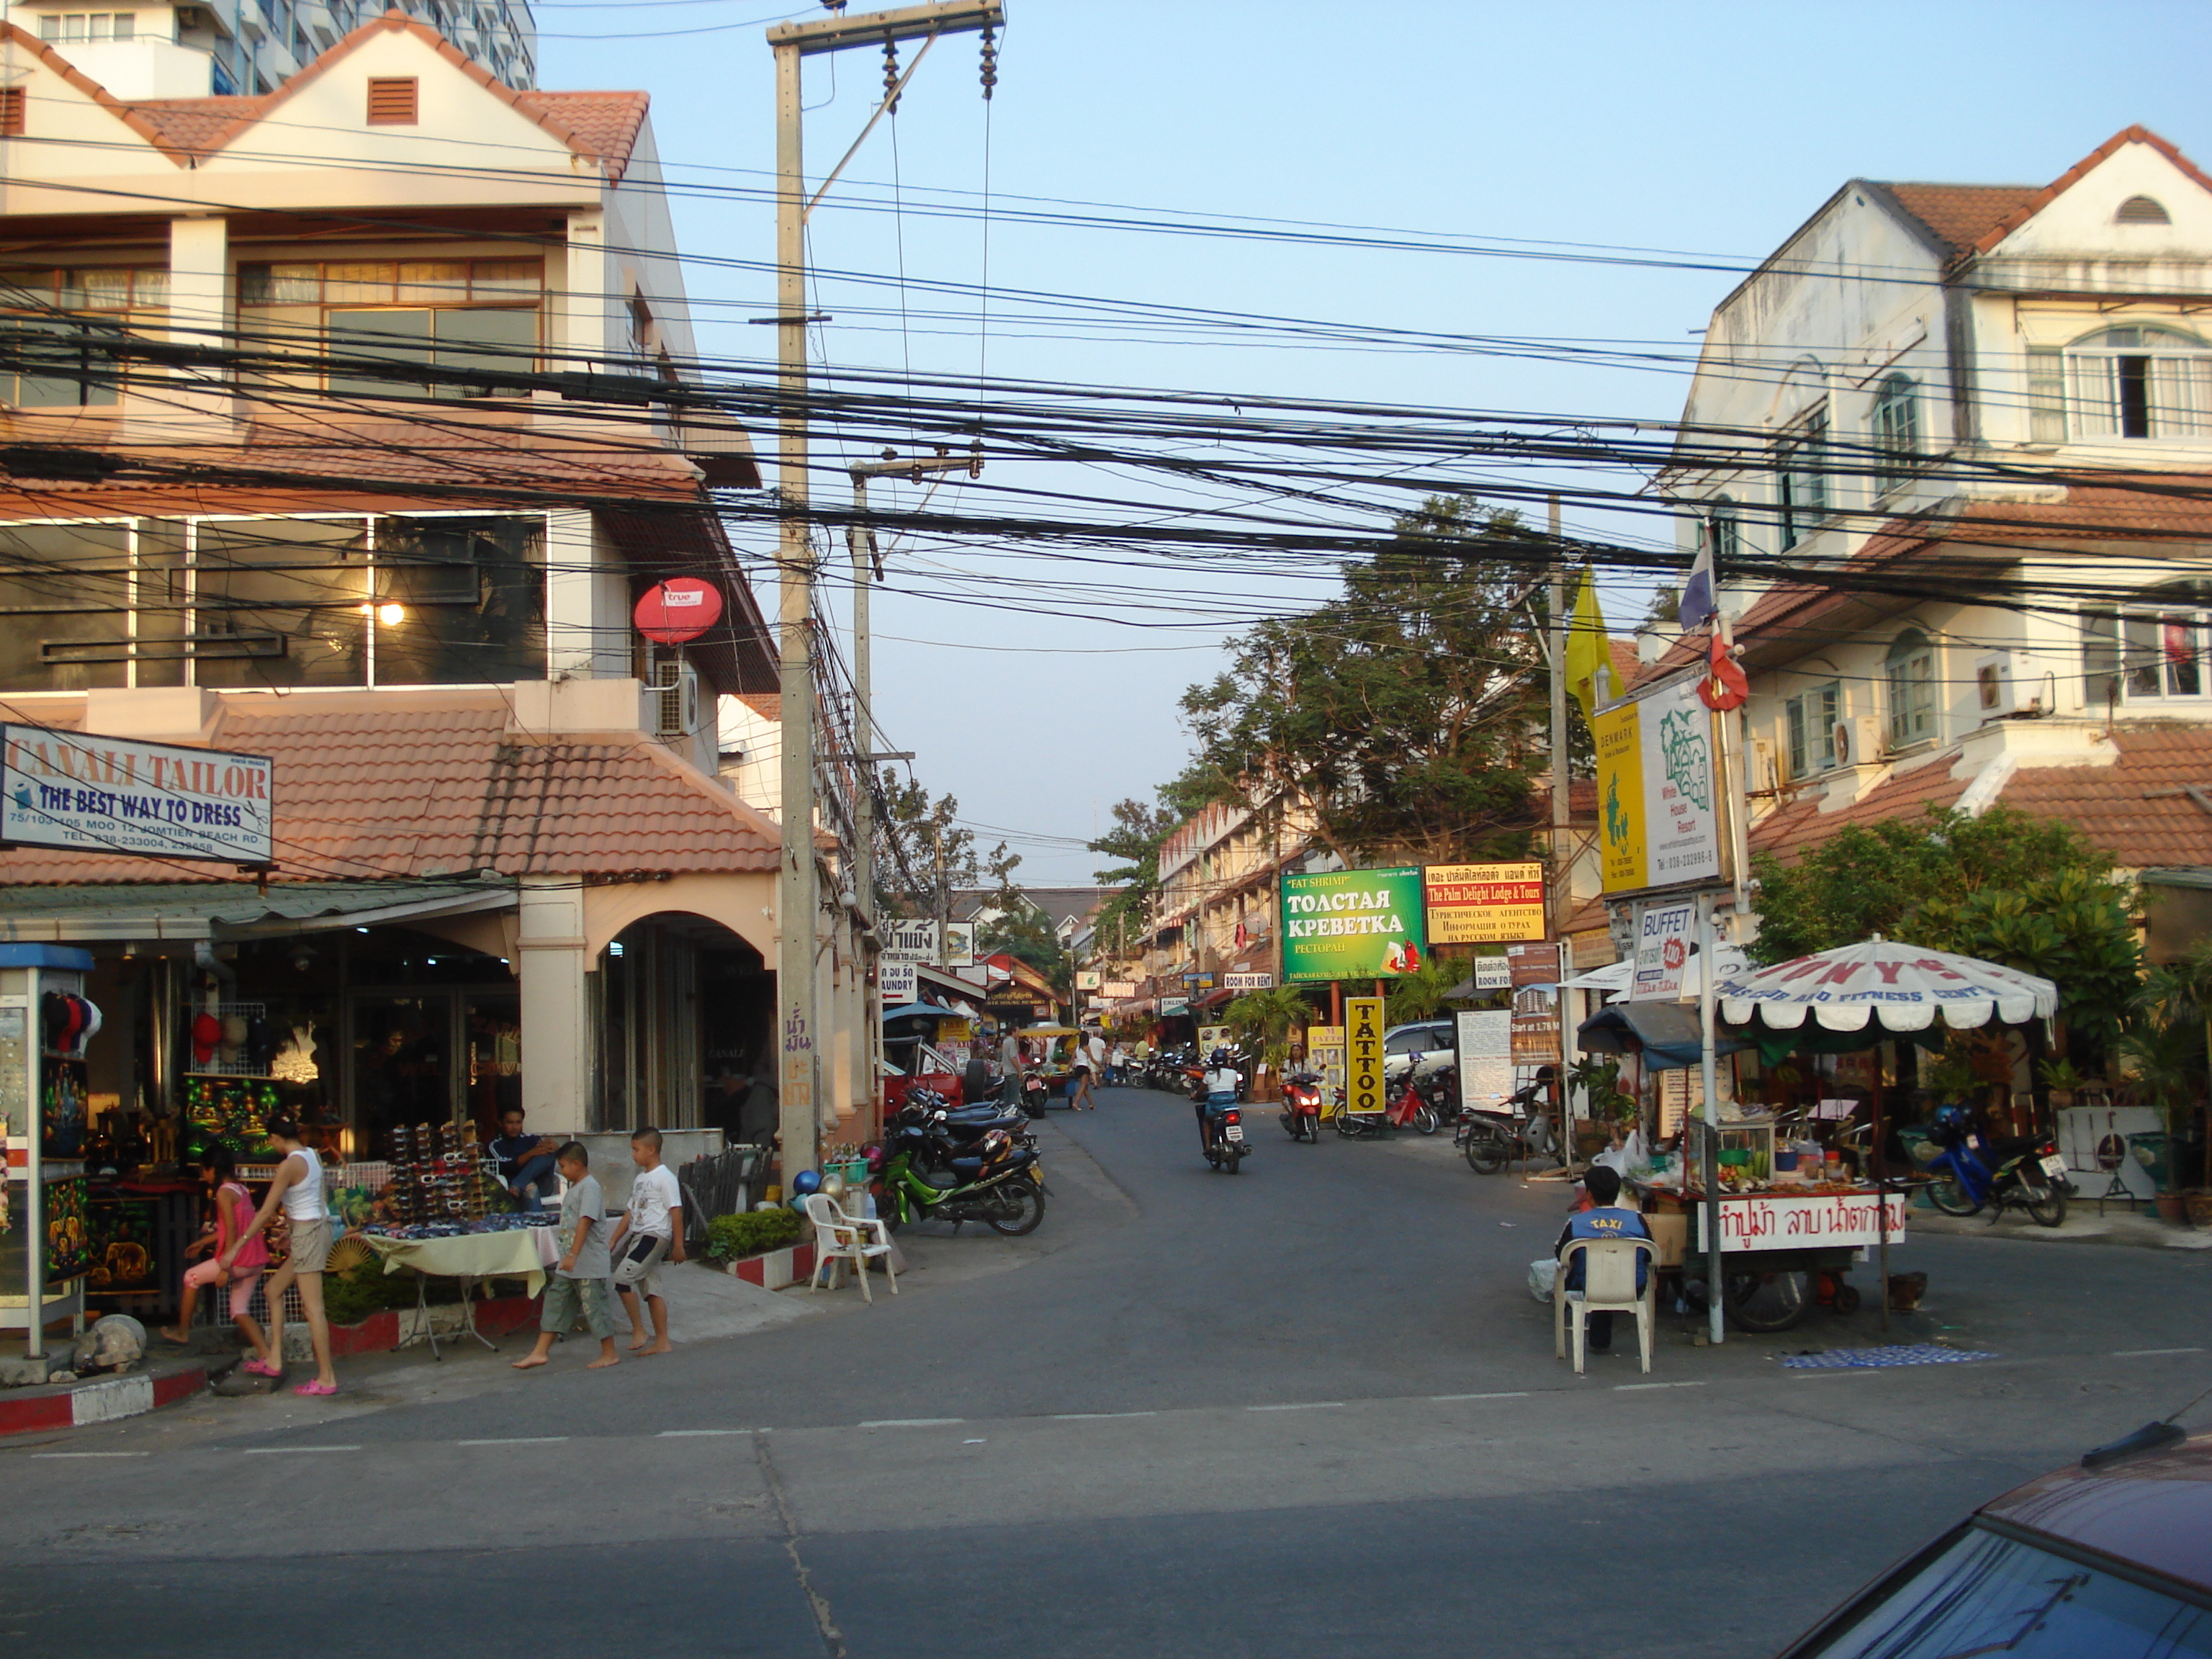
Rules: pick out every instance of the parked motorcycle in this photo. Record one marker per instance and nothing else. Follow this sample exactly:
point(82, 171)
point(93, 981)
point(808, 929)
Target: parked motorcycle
point(998, 1184)
point(1302, 1105)
point(1419, 1105)
point(2001, 1172)
point(1520, 1128)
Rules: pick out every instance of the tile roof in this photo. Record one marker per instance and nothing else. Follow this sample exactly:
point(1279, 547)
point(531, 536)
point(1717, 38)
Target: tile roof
point(2136, 809)
point(1958, 216)
point(418, 784)
point(602, 125)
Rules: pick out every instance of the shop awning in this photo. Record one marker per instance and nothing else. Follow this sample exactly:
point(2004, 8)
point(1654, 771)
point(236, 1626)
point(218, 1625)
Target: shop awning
point(1665, 1033)
point(227, 910)
point(921, 1011)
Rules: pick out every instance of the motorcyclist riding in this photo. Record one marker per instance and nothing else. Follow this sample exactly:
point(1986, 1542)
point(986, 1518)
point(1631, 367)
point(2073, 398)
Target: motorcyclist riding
point(1216, 1091)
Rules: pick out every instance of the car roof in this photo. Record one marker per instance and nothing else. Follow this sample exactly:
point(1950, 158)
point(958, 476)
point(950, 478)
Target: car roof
point(2154, 1511)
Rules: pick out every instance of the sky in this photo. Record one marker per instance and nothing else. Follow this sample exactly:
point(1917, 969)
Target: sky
point(1708, 128)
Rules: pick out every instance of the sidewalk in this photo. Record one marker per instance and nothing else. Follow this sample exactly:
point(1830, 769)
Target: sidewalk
point(2082, 1225)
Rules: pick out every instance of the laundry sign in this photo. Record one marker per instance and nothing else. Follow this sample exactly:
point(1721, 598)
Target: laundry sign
point(80, 792)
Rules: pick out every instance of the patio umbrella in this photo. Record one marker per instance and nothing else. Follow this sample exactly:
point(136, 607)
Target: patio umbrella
point(1883, 988)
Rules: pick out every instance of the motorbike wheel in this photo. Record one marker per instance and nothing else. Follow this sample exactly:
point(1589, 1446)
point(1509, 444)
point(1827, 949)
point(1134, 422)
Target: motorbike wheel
point(1950, 1197)
point(1347, 1126)
point(1847, 1299)
point(1765, 1302)
point(890, 1209)
point(2044, 1201)
point(1233, 1159)
point(1426, 1119)
point(1485, 1153)
point(1026, 1202)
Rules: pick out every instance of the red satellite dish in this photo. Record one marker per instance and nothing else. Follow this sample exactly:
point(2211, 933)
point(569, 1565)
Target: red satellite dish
point(677, 611)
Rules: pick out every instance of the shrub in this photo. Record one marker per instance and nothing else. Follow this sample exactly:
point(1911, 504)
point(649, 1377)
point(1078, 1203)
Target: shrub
point(729, 1237)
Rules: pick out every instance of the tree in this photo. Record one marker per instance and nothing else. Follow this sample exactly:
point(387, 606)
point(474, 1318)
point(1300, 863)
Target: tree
point(939, 853)
point(1026, 932)
point(1407, 713)
point(1268, 1018)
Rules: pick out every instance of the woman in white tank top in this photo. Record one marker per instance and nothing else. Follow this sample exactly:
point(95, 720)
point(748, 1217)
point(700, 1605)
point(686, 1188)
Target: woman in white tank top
point(298, 1189)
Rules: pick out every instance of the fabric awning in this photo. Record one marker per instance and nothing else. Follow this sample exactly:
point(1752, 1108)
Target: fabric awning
point(235, 909)
point(1666, 1033)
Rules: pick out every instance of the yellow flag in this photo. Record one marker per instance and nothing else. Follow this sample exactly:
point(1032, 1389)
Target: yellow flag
point(1590, 652)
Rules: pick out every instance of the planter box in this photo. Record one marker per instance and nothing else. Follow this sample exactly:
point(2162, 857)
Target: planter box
point(403, 1327)
point(772, 1270)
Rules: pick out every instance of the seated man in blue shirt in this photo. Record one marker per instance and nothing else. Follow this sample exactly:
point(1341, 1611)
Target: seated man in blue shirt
point(525, 1161)
point(1605, 1218)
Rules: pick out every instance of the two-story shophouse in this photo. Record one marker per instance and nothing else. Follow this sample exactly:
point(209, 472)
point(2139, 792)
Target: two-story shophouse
point(382, 512)
point(1951, 446)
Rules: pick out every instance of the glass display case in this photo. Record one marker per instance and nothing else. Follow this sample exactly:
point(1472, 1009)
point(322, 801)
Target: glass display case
point(45, 1023)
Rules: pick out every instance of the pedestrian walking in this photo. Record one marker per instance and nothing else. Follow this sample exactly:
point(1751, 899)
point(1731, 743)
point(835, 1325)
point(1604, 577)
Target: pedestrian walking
point(233, 1213)
point(1079, 1097)
point(650, 1228)
point(1117, 1063)
point(297, 1189)
point(578, 1288)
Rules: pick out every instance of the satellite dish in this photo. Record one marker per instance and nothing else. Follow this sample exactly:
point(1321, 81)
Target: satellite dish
point(677, 611)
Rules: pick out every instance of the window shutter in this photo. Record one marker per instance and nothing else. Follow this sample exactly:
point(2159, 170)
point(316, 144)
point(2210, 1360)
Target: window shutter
point(2096, 406)
point(2046, 395)
point(11, 111)
point(392, 101)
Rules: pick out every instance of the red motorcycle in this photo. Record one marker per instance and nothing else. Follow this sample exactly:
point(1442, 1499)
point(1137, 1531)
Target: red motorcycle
point(1302, 1105)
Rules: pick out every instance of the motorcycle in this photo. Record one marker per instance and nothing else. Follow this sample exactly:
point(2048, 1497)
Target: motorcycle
point(1225, 1131)
point(947, 1135)
point(1520, 1128)
point(2000, 1171)
point(998, 1184)
point(1301, 1106)
point(1419, 1105)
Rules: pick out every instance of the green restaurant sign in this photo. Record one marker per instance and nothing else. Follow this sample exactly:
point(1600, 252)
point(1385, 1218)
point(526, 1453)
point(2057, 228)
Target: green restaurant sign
point(1353, 924)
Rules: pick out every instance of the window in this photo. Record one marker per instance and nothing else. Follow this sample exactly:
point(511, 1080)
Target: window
point(471, 314)
point(2139, 383)
point(392, 101)
point(1910, 670)
point(68, 27)
point(2148, 652)
point(1801, 464)
point(11, 111)
point(1724, 535)
point(57, 327)
point(2046, 395)
point(1896, 432)
point(2142, 210)
point(1811, 718)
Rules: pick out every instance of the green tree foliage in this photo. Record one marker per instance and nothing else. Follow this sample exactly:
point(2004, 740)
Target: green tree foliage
point(2031, 893)
point(1025, 934)
point(939, 853)
point(1420, 994)
point(1408, 713)
point(1268, 1018)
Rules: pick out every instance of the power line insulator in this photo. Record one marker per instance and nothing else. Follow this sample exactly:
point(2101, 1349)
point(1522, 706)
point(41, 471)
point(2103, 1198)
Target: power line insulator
point(990, 61)
point(891, 77)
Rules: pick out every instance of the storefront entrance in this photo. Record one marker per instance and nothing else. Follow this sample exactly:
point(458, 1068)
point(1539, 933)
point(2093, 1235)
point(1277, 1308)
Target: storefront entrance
point(431, 1057)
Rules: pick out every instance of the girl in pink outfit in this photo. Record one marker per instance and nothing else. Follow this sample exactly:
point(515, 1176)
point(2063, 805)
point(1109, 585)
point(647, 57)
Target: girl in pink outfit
point(233, 1214)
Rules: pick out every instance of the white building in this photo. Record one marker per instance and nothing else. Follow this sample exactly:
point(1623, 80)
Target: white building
point(1951, 445)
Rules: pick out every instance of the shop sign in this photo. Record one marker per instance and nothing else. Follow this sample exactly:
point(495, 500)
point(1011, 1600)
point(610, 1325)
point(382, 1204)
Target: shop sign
point(1536, 1027)
point(1122, 990)
point(959, 950)
point(1363, 1069)
point(1197, 981)
point(1490, 974)
point(1485, 1057)
point(898, 983)
point(1663, 950)
point(1243, 982)
point(1325, 1055)
point(1353, 924)
point(1171, 1006)
point(1211, 1037)
point(1088, 979)
point(1792, 1224)
point(82, 792)
point(911, 941)
point(949, 1031)
point(1658, 791)
point(1533, 964)
point(1483, 903)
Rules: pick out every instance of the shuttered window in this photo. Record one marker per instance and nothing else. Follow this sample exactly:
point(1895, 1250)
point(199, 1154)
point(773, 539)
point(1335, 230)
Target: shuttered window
point(11, 111)
point(392, 101)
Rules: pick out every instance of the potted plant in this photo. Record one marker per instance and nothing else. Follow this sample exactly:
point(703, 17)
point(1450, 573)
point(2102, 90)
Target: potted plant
point(2062, 1079)
point(2160, 1054)
point(1268, 1017)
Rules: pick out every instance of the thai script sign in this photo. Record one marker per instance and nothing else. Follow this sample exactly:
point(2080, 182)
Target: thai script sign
point(82, 792)
point(1658, 791)
point(898, 983)
point(1483, 903)
point(910, 942)
point(1790, 1223)
point(1353, 924)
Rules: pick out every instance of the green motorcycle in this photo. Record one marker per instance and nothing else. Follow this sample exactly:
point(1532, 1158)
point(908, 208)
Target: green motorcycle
point(1007, 1194)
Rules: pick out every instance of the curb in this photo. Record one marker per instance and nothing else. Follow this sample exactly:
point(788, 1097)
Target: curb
point(775, 1269)
point(400, 1328)
point(104, 1400)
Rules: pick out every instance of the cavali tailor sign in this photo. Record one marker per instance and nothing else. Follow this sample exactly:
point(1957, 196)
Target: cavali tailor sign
point(81, 792)
point(1657, 791)
point(1353, 924)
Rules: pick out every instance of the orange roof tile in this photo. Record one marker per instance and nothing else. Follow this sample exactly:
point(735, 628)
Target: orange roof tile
point(2135, 808)
point(414, 784)
point(1960, 214)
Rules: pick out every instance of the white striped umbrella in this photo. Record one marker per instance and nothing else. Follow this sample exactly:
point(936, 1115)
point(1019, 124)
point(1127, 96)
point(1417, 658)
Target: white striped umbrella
point(1897, 988)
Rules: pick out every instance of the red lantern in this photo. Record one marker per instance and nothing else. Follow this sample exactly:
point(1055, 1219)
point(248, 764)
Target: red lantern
point(679, 610)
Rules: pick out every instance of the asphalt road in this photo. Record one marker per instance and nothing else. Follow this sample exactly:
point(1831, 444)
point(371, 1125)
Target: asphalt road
point(1310, 1410)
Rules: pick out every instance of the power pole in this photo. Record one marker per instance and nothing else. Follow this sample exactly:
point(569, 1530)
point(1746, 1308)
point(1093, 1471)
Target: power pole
point(800, 1032)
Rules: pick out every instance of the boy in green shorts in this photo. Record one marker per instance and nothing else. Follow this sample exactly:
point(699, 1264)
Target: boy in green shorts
point(579, 1285)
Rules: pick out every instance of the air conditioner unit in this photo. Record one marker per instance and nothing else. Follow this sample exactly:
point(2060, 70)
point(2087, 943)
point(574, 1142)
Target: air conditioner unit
point(676, 704)
point(1859, 742)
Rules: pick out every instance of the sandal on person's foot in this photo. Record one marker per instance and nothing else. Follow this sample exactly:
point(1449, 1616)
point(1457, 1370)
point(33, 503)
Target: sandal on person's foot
point(316, 1388)
point(258, 1368)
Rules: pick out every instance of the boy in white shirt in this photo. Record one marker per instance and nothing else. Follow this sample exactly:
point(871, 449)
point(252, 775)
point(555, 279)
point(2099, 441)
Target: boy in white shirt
point(650, 1228)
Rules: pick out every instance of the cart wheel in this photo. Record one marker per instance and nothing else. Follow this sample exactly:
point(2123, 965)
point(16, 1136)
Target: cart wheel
point(1847, 1298)
point(1766, 1302)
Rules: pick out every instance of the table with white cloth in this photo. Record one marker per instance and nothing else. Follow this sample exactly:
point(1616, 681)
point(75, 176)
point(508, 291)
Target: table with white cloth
point(523, 1253)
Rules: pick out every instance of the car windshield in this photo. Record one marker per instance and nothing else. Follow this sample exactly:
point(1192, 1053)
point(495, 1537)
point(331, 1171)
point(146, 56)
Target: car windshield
point(1988, 1594)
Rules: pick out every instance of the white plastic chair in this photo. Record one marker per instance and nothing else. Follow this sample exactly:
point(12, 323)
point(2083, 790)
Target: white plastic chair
point(1608, 1287)
point(839, 1237)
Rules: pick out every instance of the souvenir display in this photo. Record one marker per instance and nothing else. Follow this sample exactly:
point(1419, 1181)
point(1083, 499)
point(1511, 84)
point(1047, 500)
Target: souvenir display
point(439, 1174)
point(123, 1257)
point(68, 1229)
point(226, 1111)
point(61, 1106)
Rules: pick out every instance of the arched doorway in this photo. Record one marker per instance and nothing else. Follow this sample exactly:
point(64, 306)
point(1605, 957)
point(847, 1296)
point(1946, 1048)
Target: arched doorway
point(683, 1011)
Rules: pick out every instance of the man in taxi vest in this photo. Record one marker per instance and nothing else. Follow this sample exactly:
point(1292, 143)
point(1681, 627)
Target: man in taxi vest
point(1605, 1218)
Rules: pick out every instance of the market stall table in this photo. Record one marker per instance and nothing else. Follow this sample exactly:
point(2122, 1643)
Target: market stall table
point(523, 1253)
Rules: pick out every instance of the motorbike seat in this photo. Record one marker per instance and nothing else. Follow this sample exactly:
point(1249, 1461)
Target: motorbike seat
point(2002, 1149)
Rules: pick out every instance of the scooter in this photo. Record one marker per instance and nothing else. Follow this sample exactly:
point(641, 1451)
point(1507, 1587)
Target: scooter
point(999, 1184)
point(1301, 1106)
point(1520, 1128)
point(1224, 1131)
point(2000, 1171)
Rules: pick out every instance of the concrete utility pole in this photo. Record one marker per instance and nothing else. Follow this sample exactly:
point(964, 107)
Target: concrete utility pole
point(798, 1025)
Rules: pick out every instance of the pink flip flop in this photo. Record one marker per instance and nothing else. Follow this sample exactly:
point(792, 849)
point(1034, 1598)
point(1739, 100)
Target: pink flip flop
point(257, 1369)
point(316, 1388)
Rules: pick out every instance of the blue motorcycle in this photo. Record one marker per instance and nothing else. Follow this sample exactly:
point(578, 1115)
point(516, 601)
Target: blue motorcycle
point(1974, 1169)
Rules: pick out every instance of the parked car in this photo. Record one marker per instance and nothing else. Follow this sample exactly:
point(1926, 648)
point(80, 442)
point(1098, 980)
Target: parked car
point(1434, 1040)
point(2111, 1556)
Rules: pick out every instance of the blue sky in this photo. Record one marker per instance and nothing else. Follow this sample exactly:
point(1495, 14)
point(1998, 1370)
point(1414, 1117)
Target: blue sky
point(1714, 128)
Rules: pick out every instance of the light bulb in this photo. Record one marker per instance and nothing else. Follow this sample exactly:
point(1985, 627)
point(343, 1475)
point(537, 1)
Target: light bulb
point(391, 615)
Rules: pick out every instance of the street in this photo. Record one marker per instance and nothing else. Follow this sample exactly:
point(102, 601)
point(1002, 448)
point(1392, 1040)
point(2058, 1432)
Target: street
point(1310, 1410)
